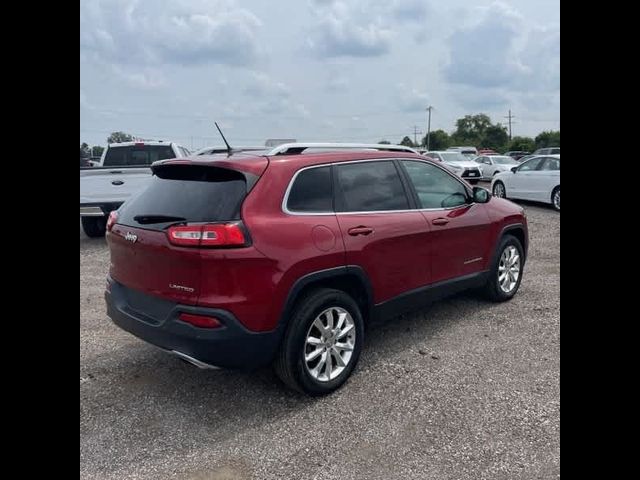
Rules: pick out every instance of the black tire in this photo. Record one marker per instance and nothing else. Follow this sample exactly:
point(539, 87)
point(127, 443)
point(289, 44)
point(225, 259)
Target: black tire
point(94, 226)
point(553, 199)
point(493, 190)
point(289, 363)
point(492, 289)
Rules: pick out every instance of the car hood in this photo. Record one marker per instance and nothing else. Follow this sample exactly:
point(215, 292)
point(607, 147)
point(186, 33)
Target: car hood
point(461, 164)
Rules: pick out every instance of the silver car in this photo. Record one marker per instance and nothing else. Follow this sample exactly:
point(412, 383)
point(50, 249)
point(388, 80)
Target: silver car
point(490, 165)
point(458, 163)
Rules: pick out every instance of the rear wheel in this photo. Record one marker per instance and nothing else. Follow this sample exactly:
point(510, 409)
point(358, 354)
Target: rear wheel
point(506, 272)
point(322, 343)
point(94, 226)
point(555, 198)
point(499, 190)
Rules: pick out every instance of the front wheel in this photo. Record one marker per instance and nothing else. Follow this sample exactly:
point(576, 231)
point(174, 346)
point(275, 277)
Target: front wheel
point(506, 272)
point(94, 226)
point(499, 190)
point(322, 343)
point(555, 198)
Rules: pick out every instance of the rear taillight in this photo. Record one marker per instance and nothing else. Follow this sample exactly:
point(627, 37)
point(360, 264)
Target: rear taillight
point(208, 235)
point(111, 221)
point(200, 321)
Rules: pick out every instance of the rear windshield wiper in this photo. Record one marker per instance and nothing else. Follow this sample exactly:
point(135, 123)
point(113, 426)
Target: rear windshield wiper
point(151, 218)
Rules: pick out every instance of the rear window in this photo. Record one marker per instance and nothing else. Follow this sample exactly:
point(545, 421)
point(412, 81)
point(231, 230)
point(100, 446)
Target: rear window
point(137, 155)
point(186, 193)
point(311, 191)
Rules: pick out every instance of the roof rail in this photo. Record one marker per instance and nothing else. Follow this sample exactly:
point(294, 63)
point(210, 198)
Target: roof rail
point(296, 148)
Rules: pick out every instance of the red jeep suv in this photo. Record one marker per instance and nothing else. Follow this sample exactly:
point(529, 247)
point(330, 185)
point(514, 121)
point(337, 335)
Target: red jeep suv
point(283, 257)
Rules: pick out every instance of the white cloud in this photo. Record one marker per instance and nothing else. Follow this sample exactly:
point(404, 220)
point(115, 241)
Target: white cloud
point(147, 79)
point(411, 99)
point(497, 57)
point(349, 30)
point(155, 32)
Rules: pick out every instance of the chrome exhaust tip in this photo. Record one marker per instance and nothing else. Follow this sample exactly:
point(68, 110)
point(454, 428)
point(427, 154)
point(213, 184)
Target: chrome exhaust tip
point(194, 361)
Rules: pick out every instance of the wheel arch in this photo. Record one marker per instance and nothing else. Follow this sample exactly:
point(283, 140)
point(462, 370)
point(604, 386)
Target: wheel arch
point(350, 279)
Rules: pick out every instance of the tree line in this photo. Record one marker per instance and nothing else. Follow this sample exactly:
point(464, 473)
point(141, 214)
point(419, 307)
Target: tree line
point(478, 131)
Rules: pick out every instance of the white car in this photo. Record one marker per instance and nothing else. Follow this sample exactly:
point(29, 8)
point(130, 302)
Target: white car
point(491, 165)
point(459, 164)
point(536, 179)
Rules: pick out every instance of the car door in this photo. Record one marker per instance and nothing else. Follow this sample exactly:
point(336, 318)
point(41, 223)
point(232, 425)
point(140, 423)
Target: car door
point(460, 229)
point(519, 184)
point(382, 230)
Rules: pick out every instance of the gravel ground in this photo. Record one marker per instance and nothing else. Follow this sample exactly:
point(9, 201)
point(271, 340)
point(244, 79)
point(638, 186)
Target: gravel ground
point(462, 390)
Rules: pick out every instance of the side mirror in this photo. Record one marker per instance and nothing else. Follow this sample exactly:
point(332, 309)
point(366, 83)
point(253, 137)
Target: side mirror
point(514, 169)
point(481, 195)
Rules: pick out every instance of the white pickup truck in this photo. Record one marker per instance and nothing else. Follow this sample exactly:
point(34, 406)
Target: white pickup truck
point(124, 169)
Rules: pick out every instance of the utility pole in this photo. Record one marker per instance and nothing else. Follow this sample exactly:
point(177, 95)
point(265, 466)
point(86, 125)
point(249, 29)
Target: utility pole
point(415, 135)
point(510, 117)
point(429, 108)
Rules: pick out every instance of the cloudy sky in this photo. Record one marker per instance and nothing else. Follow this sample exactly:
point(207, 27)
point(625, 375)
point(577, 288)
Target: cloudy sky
point(315, 70)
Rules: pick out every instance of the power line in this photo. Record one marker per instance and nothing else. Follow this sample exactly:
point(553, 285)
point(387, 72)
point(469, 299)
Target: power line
point(415, 134)
point(510, 117)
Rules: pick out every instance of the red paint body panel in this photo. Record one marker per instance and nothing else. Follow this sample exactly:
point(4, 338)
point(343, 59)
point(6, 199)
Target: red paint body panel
point(396, 255)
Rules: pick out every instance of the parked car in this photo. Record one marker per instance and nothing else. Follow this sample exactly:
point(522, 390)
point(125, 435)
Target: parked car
point(223, 149)
point(461, 165)
point(124, 169)
point(464, 150)
point(516, 154)
point(490, 165)
point(246, 260)
point(536, 179)
point(487, 151)
point(548, 151)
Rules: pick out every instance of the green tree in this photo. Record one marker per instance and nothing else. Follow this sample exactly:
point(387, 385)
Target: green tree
point(438, 140)
point(471, 129)
point(97, 150)
point(406, 141)
point(549, 138)
point(495, 137)
point(119, 137)
point(525, 144)
point(384, 142)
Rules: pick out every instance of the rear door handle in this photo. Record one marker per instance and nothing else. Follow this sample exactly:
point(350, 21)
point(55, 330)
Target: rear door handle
point(361, 230)
point(440, 221)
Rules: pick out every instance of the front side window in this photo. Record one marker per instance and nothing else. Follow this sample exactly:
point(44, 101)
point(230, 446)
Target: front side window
point(370, 186)
point(434, 187)
point(311, 191)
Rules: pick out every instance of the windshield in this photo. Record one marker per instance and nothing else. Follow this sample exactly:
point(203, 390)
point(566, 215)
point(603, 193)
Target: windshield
point(503, 160)
point(453, 157)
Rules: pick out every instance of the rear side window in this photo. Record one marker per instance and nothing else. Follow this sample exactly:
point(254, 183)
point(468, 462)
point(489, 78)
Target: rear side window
point(311, 191)
point(137, 155)
point(530, 165)
point(370, 186)
point(434, 187)
point(551, 163)
point(186, 193)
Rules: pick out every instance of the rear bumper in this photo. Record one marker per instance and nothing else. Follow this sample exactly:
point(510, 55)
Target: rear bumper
point(98, 209)
point(155, 321)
